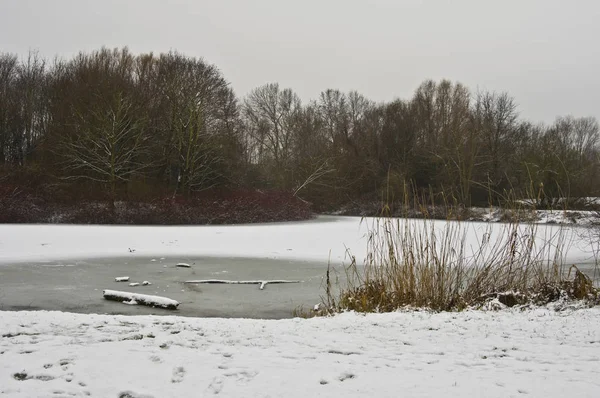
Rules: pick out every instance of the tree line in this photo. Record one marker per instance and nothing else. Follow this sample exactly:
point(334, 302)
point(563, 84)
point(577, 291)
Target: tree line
point(139, 124)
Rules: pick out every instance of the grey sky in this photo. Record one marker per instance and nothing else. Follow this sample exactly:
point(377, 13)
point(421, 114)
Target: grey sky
point(543, 52)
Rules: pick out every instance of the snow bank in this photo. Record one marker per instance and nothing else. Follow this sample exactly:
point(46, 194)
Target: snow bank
point(539, 353)
point(567, 217)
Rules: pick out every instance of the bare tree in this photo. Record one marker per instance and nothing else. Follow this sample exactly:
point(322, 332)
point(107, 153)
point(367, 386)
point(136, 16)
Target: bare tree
point(196, 151)
point(270, 115)
point(585, 137)
point(498, 120)
point(313, 166)
point(31, 85)
point(445, 139)
point(199, 109)
point(8, 105)
point(106, 144)
point(333, 107)
point(23, 113)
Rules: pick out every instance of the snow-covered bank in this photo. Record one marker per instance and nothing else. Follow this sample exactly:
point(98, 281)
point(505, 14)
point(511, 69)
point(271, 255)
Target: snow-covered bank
point(322, 240)
point(541, 353)
point(491, 214)
point(567, 217)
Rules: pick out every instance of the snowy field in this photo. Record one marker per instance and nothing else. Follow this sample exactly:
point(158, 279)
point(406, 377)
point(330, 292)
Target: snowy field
point(538, 353)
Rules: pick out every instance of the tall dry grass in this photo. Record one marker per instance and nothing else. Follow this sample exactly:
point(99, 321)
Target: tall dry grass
point(453, 264)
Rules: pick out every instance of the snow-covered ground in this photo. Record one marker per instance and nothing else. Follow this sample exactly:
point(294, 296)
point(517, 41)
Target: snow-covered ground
point(567, 217)
point(496, 214)
point(539, 352)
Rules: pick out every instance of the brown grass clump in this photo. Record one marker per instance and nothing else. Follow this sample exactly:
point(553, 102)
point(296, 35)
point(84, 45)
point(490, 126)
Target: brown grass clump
point(424, 263)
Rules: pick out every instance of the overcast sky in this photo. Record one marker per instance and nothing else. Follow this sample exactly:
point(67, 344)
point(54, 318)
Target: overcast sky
point(545, 53)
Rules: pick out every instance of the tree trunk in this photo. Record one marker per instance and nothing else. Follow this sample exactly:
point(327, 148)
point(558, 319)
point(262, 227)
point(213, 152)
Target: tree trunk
point(113, 197)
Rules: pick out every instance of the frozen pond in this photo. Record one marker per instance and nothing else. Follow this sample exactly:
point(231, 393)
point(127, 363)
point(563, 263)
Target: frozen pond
point(77, 286)
point(66, 267)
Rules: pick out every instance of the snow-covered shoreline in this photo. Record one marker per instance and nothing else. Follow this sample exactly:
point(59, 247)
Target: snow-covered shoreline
point(540, 353)
point(494, 214)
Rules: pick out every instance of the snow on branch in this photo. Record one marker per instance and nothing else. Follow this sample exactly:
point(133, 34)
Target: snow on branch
point(141, 299)
point(228, 282)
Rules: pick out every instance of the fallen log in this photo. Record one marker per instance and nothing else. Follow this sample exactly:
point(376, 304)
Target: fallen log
point(141, 299)
point(261, 284)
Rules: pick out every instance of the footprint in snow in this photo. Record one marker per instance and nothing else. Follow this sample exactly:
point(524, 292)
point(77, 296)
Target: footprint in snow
point(131, 394)
point(22, 376)
point(155, 359)
point(346, 376)
point(178, 374)
point(60, 393)
point(242, 375)
point(216, 385)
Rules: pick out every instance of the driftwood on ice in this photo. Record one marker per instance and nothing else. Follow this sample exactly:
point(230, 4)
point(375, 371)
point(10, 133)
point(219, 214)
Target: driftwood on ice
point(142, 299)
point(261, 284)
